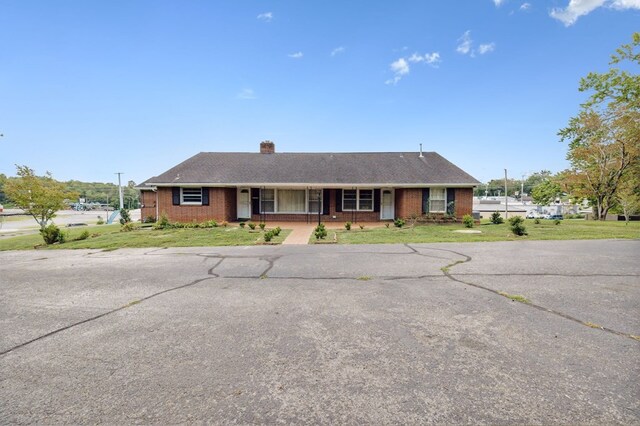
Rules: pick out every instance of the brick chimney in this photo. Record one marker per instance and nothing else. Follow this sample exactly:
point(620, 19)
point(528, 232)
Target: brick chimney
point(267, 147)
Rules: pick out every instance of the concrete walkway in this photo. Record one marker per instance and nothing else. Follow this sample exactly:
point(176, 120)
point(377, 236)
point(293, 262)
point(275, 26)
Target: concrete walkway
point(300, 234)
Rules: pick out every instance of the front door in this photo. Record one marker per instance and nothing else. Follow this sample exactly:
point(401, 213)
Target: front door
point(386, 205)
point(244, 203)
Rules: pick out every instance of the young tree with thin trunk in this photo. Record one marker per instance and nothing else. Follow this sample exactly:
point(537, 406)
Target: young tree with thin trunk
point(39, 196)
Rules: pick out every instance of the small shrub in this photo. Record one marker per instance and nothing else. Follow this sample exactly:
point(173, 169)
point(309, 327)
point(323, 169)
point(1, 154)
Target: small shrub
point(496, 219)
point(52, 234)
point(100, 221)
point(557, 221)
point(242, 225)
point(536, 221)
point(124, 216)
point(128, 227)
point(252, 225)
point(347, 226)
point(268, 236)
point(163, 222)
point(517, 225)
point(399, 223)
point(467, 219)
point(361, 226)
point(276, 231)
point(386, 225)
point(262, 225)
point(149, 219)
point(320, 232)
point(84, 235)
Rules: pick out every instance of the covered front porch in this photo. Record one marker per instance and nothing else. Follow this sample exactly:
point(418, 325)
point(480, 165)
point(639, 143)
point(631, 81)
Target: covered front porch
point(313, 205)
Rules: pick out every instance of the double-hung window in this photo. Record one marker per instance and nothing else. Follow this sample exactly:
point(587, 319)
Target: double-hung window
point(357, 199)
point(437, 200)
point(268, 200)
point(315, 200)
point(291, 200)
point(191, 196)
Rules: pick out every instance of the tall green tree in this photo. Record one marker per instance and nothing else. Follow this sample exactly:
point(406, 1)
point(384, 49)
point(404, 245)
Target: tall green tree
point(604, 138)
point(546, 192)
point(39, 196)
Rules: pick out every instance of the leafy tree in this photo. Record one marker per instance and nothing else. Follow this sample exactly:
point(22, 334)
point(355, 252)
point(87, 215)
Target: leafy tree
point(604, 138)
point(3, 180)
point(546, 192)
point(628, 194)
point(39, 196)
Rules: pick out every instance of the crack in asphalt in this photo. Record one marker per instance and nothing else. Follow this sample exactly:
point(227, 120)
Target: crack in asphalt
point(447, 272)
point(271, 261)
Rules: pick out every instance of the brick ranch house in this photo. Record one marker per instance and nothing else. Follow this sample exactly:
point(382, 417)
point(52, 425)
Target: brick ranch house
point(338, 187)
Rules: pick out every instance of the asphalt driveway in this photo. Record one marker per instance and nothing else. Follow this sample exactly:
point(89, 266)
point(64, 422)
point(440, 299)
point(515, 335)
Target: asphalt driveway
point(423, 333)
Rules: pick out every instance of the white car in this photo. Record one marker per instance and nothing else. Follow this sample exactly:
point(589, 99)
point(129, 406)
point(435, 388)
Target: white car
point(533, 215)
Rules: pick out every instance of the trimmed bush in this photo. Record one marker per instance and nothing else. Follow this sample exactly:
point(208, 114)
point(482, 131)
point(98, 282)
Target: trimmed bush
point(320, 232)
point(100, 221)
point(268, 236)
point(262, 225)
point(347, 226)
point(517, 225)
point(399, 223)
point(557, 221)
point(496, 219)
point(252, 225)
point(242, 225)
point(124, 216)
point(52, 234)
point(467, 219)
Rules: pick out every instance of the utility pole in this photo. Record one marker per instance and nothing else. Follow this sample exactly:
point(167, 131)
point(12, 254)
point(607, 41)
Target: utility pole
point(506, 200)
point(120, 190)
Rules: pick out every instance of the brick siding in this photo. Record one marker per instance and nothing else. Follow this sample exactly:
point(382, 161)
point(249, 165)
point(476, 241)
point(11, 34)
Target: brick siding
point(222, 206)
point(464, 202)
point(408, 202)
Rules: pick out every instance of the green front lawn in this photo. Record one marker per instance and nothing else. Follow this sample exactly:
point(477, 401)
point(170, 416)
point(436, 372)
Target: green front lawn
point(569, 229)
point(109, 237)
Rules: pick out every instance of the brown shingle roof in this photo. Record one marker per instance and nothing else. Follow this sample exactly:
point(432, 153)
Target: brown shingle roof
point(226, 168)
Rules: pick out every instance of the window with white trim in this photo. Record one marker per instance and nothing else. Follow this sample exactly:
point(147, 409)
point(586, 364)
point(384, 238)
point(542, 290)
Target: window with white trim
point(315, 201)
point(268, 200)
point(291, 200)
point(357, 199)
point(437, 200)
point(297, 201)
point(191, 196)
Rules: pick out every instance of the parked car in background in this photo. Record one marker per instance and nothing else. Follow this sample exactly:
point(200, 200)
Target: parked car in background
point(533, 215)
point(555, 217)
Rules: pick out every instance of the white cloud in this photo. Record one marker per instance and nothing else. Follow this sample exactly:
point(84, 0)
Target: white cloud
point(465, 46)
point(296, 55)
point(574, 10)
point(338, 50)
point(401, 67)
point(625, 4)
point(246, 94)
point(430, 58)
point(266, 17)
point(465, 43)
point(525, 6)
point(577, 8)
point(498, 2)
point(486, 48)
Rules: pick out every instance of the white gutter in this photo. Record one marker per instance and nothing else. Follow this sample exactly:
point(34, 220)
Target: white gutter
point(321, 185)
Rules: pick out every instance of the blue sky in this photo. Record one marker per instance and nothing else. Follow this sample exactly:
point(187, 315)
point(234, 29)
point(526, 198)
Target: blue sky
point(88, 89)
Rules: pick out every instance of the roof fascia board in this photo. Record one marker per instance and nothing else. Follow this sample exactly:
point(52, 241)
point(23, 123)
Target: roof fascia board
point(316, 184)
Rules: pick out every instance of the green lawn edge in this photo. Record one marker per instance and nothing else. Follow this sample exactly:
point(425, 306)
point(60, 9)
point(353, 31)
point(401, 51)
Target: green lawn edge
point(109, 237)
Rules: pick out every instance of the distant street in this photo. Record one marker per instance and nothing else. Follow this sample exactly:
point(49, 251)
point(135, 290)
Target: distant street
point(376, 334)
point(24, 224)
